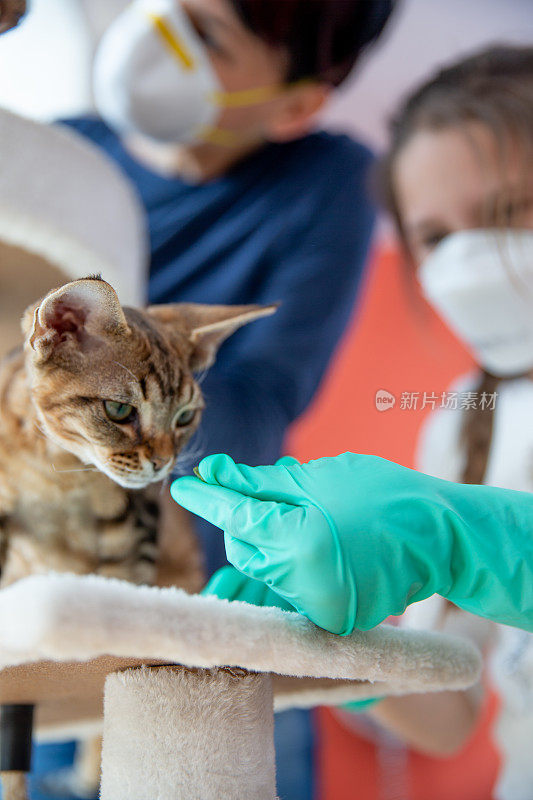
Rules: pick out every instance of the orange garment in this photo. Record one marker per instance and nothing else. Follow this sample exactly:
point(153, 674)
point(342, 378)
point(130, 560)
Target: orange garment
point(395, 343)
point(349, 766)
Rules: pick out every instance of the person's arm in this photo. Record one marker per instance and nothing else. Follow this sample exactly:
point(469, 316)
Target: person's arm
point(266, 375)
point(441, 723)
point(351, 540)
point(434, 724)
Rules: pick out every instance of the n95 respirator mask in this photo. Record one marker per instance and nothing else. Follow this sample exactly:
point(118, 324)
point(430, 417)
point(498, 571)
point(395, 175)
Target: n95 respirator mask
point(153, 76)
point(481, 283)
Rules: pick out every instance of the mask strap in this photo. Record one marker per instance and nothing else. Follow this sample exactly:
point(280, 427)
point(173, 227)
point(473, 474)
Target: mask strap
point(239, 99)
point(174, 43)
point(224, 99)
point(219, 136)
point(250, 97)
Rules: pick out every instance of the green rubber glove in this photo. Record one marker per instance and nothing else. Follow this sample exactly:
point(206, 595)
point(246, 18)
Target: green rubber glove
point(350, 540)
point(230, 584)
point(360, 706)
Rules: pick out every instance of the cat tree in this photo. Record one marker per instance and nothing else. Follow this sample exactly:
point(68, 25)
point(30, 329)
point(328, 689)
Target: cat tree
point(189, 683)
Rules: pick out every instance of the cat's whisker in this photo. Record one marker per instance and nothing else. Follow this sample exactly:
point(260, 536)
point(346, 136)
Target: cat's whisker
point(182, 468)
point(164, 486)
point(200, 376)
point(190, 455)
point(188, 463)
point(40, 430)
point(127, 370)
point(74, 469)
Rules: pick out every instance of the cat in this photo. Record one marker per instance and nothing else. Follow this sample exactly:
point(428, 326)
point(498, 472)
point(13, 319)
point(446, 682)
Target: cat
point(94, 409)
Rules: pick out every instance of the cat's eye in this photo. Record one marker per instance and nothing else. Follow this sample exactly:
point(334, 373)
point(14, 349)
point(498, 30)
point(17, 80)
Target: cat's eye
point(118, 412)
point(185, 417)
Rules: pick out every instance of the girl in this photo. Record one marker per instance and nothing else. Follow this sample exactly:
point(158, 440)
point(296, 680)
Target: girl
point(458, 181)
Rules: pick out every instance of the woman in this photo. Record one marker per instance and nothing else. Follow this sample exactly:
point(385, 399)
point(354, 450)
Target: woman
point(459, 183)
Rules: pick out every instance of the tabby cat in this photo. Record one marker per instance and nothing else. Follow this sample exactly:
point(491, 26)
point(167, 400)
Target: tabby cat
point(94, 410)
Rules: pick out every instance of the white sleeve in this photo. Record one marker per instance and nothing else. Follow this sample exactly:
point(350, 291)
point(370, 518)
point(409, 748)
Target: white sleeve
point(437, 614)
point(439, 451)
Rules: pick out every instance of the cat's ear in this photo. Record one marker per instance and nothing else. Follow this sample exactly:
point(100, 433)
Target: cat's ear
point(207, 326)
point(73, 316)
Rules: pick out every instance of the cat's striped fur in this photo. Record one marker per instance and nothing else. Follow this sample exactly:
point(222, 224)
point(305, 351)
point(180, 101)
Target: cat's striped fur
point(76, 488)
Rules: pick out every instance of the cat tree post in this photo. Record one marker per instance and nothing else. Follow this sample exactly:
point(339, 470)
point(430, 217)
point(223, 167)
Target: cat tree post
point(177, 733)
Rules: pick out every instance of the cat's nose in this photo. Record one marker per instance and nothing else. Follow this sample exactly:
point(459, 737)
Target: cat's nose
point(158, 462)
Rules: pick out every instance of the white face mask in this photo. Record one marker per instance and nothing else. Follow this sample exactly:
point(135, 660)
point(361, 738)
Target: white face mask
point(153, 76)
point(481, 284)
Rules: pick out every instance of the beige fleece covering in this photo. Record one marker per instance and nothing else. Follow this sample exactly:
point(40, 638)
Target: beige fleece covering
point(188, 735)
point(66, 202)
point(60, 635)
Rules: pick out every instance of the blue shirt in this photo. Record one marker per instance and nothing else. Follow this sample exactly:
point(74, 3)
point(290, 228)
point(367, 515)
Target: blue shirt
point(291, 223)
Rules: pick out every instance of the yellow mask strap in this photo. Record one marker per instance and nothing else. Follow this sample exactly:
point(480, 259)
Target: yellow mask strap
point(224, 99)
point(219, 136)
point(174, 43)
point(254, 96)
point(246, 97)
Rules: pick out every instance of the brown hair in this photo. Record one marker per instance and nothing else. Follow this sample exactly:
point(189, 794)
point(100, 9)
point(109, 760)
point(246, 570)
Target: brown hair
point(324, 38)
point(493, 87)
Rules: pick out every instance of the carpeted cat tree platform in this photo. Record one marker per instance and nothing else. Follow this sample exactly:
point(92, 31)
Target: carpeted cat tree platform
point(66, 211)
point(189, 683)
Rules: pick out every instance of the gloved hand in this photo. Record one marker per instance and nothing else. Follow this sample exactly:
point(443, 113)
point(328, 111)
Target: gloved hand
point(230, 584)
point(350, 540)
